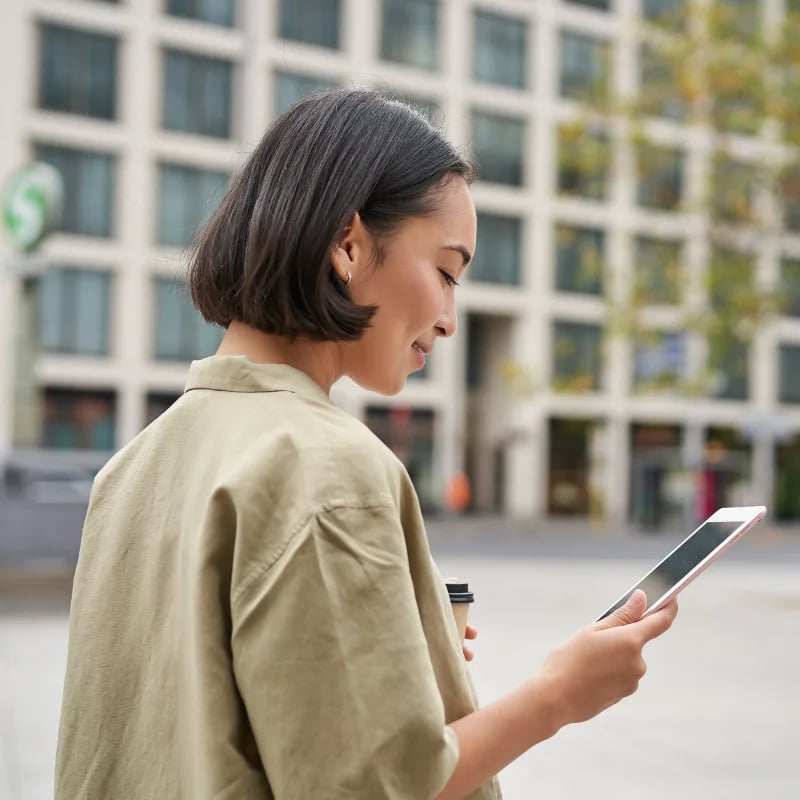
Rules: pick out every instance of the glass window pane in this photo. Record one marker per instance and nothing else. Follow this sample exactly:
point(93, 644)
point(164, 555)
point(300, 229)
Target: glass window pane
point(91, 323)
point(290, 87)
point(576, 357)
point(584, 66)
point(197, 94)
point(498, 143)
point(584, 159)
point(729, 279)
point(216, 12)
point(665, 11)
point(579, 260)
point(410, 32)
point(790, 196)
point(311, 21)
point(77, 71)
point(500, 55)
point(790, 373)
point(157, 404)
point(660, 360)
point(181, 334)
point(658, 78)
point(88, 188)
point(729, 365)
point(658, 271)
point(660, 172)
point(189, 197)
point(79, 420)
point(600, 5)
point(497, 251)
point(732, 190)
point(790, 286)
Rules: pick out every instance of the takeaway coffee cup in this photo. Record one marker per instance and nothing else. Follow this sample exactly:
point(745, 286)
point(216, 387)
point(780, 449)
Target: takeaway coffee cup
point(461, 598)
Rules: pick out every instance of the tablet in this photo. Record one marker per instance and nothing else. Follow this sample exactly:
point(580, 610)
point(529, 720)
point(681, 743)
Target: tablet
point(692, 556)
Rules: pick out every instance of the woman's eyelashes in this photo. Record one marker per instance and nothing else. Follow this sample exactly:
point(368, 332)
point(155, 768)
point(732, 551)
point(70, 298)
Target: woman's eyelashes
point(451, 281)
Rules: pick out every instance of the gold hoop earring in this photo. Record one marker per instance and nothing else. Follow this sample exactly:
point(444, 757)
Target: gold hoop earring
point(348, 279)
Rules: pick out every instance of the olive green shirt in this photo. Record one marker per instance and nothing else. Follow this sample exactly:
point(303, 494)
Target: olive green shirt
point(256, 613)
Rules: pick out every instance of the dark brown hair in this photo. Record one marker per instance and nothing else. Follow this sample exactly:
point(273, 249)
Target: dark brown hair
point(264, 257)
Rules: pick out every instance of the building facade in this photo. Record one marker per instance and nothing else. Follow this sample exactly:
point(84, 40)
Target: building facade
point(147, 107)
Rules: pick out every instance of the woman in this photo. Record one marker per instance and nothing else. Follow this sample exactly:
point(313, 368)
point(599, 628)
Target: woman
point(256, 613)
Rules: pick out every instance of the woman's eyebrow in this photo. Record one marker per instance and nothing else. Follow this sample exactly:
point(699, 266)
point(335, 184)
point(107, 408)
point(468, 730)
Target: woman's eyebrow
point(465, 254)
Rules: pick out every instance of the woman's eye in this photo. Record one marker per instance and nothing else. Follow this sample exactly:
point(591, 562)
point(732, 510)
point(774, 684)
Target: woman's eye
point(451, 281)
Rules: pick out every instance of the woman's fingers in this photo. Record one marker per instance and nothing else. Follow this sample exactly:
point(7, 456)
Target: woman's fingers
point(471, 633)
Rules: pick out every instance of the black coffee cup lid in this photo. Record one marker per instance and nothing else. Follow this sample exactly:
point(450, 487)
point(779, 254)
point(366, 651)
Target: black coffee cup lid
point(460, 593)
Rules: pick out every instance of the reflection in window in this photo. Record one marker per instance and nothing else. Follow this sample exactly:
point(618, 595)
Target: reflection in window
point(790, 286)
point(73, 311)
point(499, 55)
point(197, 94)
point(78, 72)
point(584, 159)
point(660, 172)
point(658, 272)
point(498, 143)
point(579, 260)
point(88, 188)
point(189, 197)
point(584, 66)
point(658, 78)
point(311, 21)
point(659, 360)
point(497, 251)
point(410, 32)
point(290, 87)
point(78, 420)
point(181, 334)
point(215, 12)
point(576, 357)
point(789, 357)
point(729, 366)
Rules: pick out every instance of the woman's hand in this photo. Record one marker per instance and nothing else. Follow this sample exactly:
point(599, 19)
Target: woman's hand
point(472, 633)
point(603, 663)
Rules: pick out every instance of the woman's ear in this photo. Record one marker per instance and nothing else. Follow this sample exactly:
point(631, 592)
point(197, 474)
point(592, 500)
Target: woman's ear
point(349, 253)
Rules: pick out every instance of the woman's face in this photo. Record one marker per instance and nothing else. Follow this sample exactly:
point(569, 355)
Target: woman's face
point(413, 288)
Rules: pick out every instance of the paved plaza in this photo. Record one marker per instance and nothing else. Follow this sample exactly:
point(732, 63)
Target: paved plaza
point(718, 715)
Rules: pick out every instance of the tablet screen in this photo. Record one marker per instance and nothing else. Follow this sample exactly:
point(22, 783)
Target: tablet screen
point(707, 538)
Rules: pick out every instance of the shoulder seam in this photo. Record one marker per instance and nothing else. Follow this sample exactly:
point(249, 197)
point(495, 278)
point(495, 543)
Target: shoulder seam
point(378, 501)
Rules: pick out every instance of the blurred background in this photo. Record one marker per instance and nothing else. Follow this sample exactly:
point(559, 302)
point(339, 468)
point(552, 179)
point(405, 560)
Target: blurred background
point(628, 356)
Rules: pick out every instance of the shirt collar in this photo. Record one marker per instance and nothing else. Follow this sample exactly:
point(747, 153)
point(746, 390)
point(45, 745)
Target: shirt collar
point(240, 374)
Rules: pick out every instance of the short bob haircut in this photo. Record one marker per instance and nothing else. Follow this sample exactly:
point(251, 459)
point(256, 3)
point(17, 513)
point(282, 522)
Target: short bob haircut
point(264, 258)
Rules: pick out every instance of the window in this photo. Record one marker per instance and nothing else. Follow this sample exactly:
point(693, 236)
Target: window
point(729, 366)
point(181, 334)
point(77, 72)
point(88, 188)
point(311, 21)
point(156, 404)
point(579, 259)
point(291, 87)
point(576, 357)
point(498, 143)
point(73, 311)
point(499, 55)
point(732, 190)
point(790, 373)
point(78, 420)
point(216, 12)
point(790, 196)
point(497, 250)
point(410, 32)
point(658, 77)
point(790, 286)
point(584, 66)
point(658, 272)
point(737, 19)
point(664, 11)
point(584, 159)
point(660, 172)
point(600, 5)
point(429, 109)
point(659, 360)
point(189, 197)
point(197, 94)
point(730, 279)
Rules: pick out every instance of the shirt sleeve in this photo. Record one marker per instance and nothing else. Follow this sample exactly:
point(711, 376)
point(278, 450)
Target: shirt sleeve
point(334, 669)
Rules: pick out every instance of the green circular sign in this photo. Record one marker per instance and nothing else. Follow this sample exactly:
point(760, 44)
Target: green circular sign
point(32, 201)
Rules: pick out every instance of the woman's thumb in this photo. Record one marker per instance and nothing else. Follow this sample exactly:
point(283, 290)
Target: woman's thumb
point(631, 612)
